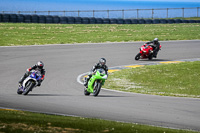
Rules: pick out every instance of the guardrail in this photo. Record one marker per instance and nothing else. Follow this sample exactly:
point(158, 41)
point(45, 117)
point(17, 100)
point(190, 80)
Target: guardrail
point(127, 13)
point(20, 18)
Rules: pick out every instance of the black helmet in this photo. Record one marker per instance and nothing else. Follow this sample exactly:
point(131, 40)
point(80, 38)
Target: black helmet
point(40, 64)
point(102, 61)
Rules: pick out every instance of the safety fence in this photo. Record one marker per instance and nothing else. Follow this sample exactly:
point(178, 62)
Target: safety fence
point(20, 18)
point(128, 13)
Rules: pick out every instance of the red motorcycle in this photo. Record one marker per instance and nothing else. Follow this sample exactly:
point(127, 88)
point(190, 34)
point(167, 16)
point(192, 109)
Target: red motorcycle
point(146, 51)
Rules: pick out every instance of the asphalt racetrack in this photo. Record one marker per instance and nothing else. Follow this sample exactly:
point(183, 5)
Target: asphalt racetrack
point(60, 93)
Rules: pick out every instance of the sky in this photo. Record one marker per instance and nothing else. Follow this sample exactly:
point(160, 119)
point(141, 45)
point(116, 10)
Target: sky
point(75, 5)
point(25, 5)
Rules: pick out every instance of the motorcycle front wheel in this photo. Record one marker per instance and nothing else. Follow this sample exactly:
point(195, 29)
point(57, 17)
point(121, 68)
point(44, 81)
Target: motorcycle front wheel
point(97, 88)
point(29, 86)
point(137, 57)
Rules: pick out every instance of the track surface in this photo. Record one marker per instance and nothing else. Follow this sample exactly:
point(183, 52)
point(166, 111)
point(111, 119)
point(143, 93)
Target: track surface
point(60, 93)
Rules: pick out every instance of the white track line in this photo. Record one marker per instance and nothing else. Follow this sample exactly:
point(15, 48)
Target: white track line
point(81, 75)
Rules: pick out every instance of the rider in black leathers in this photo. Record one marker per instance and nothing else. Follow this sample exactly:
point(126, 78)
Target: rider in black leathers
point(39, 66)
point(155, 45)
point(101, 64)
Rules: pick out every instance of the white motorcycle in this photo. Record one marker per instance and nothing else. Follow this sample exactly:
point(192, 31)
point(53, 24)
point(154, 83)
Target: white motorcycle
point(30, 82)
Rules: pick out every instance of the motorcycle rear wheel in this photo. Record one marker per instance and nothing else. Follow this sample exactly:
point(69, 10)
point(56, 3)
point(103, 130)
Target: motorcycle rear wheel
point(137, 57)
point(86, 92)
point(150, 57)
point(19, 91)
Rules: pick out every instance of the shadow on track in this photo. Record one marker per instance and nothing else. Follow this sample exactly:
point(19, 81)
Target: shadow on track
point(48, 95)
point(109, 96)
point(154, 60)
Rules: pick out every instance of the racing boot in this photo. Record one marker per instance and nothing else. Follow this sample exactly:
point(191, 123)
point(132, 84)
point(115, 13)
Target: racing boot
point(22, 79)
point(86, 82)
point(155, 54)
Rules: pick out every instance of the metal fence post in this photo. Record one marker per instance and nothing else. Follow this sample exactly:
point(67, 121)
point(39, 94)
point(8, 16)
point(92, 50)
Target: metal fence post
point(152, 13)
point(93, 13)
point(167, 12)
point(108, 13)
point(197, 11)
point(78, 13)
point(123, 13)
point(137, 13)
point(183, 12)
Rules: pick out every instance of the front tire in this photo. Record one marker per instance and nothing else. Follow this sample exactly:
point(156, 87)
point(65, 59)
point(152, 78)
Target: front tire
point(97, 89)
point(28, 87)
point(137, 57)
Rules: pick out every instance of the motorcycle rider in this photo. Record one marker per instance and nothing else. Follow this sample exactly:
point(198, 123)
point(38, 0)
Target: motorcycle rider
point(155, 45)
point(38, 66)
point(101, 64)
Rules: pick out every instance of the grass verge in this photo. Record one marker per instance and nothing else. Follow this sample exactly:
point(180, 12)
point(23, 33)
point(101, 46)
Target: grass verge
point(26, 122)
point(38, 34)
point(180, 79)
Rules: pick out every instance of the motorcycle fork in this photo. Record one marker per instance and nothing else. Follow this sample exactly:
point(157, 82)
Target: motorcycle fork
point(96, 83)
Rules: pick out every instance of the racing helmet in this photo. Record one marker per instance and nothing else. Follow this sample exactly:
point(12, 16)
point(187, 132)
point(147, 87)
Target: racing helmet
point(155, 40)
point(40, 64)
point(102, 61)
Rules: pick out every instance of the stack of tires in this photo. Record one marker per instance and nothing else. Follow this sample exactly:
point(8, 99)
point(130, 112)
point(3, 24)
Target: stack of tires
point(48, 19)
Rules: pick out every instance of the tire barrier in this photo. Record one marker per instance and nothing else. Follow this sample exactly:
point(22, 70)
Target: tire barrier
point(42, 19)
point(71, 20)
point(141, 21)
point(78, 20)
point(99, 21)
point(127, 21)
point(27, 19)
point(48, 19)
point(63, 20)
point(171, 21)
point(156, 21)
point(85, 21)
point(178, 21)
point(5, 17)
point(120, 21)
point(56, 19)
point(92, 20)
point(134, 21)
point(148, 21)
point(35, 19)
point(20, 18)
point(163, 21)
point(13, 18)
point(106, 21)
point(113, 21)
point(0, 17)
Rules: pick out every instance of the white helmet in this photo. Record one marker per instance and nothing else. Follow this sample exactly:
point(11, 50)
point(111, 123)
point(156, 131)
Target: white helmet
point(40, 64)
point(155, 40)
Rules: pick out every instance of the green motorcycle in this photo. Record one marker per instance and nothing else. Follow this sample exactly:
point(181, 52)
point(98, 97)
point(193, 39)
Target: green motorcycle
point(95, 82)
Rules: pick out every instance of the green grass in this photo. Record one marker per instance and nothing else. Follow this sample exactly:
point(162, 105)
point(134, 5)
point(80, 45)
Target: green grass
point(180, 79)
point(38, 34)
point(27, 122)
